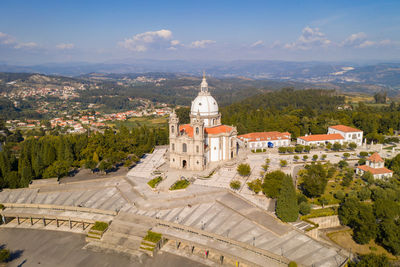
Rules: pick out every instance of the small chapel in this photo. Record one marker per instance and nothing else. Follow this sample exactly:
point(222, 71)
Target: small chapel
point(193, 146)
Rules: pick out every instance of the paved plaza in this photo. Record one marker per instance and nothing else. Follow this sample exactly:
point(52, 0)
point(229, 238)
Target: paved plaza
point(207, 214)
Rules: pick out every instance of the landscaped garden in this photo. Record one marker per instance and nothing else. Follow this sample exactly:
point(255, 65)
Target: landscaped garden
point(180, 184)
point(154, 182)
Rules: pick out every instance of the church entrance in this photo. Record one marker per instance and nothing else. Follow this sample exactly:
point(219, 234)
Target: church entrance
point(184, 164)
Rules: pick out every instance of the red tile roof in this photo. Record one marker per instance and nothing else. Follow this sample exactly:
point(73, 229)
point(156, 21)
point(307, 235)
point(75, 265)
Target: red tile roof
point(322, 137)
point(218, 129)
point(188, 129)
point(367, 168)
point(264, 136)
point(375, 158)
point(344, 128)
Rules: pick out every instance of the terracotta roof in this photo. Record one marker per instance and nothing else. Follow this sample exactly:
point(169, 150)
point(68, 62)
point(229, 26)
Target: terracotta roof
point(322, 137)
point(367, 168)
point(344, 128)
point(188, 129)
point(264, 136)
point(375, 158)
point(218, 129)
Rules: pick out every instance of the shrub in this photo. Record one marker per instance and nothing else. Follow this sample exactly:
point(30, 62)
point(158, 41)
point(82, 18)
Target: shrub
point(361, 161)
point(282, 149)
point(154, 182)
point(292, 264)
point(299, 148)
point(307, 149)
point(336, 146)
point(340, 195)
point(243, 169)
point(100, 226)
point(290, 149)
point(342, 164)
point(315, 157)
point(304, 208)
point(235, 185)
point(363, 154)
point(255, 186)
point(352, 145)
point(181, 184)
point(2, 207)
point(305, 157)
point(346, 155)
point(4, 255)
point(152, 237)
point(296, 158)
point(323, 156)
point(283, 163)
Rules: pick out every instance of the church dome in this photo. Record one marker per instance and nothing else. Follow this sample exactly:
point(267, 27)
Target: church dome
point(204, 103)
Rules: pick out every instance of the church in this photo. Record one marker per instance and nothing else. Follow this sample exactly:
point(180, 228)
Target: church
point(193, 146)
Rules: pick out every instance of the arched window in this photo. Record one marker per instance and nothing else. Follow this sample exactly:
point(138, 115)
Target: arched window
point(172, 129)
point(173, 147)
point(197, 149)
point(213, 121)
point(197, 130)
point(184, 147)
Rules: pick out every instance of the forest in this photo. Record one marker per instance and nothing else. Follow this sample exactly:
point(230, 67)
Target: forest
point(303, 112)
point(56, 155)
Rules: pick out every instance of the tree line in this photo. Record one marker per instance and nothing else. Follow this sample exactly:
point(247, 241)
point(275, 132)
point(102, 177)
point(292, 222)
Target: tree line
point(56, 155)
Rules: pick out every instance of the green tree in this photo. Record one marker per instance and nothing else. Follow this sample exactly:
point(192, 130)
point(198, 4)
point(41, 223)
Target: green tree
point(370, 260)
point(315, 157)
point(352, 145)
point(5, 255)
point(299, 148)
point(283, 163)
point(296, 158)
point(286, 205)
point(342, 164)
point(235, 185)
point(304, 208)
point(336, 146)
point(346, 155)
point(282, 149)
point(272, 183)
point(59, 168)
point(314, 180)
point(244, 169)
point(255, 185)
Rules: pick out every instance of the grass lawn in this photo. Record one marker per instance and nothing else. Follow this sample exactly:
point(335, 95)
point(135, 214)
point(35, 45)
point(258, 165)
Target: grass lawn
point(345, 240)
point(154, 182)
point(99, 226)
point(181, 184)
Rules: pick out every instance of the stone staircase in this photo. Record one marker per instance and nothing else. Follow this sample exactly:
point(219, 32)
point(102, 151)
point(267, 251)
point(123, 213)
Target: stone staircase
point(124, 235)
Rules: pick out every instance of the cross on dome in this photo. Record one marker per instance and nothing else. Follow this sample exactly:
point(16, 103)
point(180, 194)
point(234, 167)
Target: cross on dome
point(204, 84)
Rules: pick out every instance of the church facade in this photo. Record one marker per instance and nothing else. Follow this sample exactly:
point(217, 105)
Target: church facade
point(193, 146)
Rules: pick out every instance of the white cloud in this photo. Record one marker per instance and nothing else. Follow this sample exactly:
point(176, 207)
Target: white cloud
point(6, 38)
point(142, 41)
point(355, 39)
point(175, 42)
point(366, 43)
point(310, 37)
point(64, 46)
point(202, 43)
point(25, 45)
point(259, 43)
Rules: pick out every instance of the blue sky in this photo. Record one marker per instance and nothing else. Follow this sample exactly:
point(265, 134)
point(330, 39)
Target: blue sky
point(40, 31)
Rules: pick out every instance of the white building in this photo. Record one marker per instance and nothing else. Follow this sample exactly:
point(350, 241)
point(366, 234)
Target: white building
point(375, 165)
point(263, 140)
point(320, 139)
point(351, 135)
point(193, 146)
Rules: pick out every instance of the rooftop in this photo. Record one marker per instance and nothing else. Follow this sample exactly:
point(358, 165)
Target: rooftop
point(188, 129)
point(264, 136)
point(367, 168)
point(344, 128)
point(375, 158)
point(322, 137)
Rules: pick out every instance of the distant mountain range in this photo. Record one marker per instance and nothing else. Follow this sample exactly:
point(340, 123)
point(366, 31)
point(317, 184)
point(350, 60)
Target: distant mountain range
point(385, 75)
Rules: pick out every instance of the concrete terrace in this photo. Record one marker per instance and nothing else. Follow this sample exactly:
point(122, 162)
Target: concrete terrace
point(202, 215)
